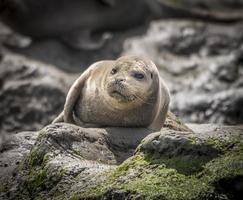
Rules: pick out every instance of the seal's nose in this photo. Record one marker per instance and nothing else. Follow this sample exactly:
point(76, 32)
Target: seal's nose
point(119, 80)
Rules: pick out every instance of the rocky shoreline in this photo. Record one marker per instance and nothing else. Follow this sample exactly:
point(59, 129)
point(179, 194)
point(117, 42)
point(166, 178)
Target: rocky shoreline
point(71, 162)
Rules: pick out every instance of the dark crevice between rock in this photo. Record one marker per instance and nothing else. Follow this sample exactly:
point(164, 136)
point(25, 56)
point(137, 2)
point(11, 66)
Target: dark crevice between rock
point(123, 143)
point(232, 187)
point(184, 164)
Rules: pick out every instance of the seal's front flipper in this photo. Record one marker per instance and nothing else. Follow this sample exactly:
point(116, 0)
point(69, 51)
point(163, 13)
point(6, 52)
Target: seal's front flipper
point(75, 90)
point(81, 40)
point(60, 118)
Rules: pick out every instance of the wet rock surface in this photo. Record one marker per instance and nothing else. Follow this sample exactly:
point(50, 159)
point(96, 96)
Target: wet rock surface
point(71, 162)
point(31, 94)
point(217, 10)
point(15, 148)
point(202, 64)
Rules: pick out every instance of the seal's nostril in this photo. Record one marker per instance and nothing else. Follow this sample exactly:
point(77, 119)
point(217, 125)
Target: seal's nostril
point(119, 80)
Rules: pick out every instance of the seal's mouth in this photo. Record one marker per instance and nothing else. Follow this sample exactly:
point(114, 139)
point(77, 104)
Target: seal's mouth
point(122, 97)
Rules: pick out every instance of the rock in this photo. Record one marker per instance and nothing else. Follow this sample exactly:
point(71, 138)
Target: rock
point(16, 148)
point(217, 10)
point(202, 64)
point(65, 152)
point(179, 162)
point(9, 38)
point(31, 95)
point(205, 164)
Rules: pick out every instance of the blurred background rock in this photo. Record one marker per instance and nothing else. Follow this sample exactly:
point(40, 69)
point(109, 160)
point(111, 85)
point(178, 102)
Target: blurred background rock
point(196, 44)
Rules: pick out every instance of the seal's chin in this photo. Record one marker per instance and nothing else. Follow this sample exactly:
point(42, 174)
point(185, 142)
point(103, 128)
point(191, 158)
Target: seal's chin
point(122, 97)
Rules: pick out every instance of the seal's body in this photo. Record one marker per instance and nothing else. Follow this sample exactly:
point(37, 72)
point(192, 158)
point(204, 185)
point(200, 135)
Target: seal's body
point(127, 92)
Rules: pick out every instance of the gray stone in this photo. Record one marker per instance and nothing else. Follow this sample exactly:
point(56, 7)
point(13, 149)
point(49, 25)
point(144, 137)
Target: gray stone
point(202, 64)
point(16, 147)
point(31, 94)
point(64, 152)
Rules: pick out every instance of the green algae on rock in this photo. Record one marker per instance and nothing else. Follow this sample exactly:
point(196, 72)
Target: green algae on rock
point(144, 180)
point(203, 170)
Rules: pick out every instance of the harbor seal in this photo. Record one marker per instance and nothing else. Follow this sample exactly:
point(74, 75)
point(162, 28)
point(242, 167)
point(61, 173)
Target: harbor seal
point(127, 92)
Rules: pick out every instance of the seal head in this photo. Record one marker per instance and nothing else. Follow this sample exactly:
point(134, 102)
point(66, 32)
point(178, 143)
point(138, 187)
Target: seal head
point(130, 81)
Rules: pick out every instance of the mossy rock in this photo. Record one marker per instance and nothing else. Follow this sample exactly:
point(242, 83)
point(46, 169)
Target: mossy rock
point(194, 162)
point(201, 168)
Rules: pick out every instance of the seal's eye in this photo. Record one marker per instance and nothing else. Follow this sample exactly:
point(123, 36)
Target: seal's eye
point(113, 71)
point(138, 75)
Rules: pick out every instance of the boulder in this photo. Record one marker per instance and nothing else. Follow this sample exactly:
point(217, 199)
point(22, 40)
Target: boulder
point(202, 164)
point(202, 64)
